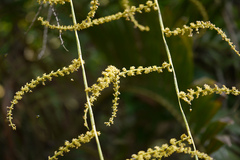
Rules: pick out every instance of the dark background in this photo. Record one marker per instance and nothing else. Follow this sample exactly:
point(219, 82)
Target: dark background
point(148, 112)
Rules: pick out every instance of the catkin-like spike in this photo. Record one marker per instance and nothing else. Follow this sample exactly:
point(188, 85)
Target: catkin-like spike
point(94, 6)
point(167, 150)
point(110, 76)
point(76, 143)
point(125, 4)
point(113, 75)
point(137, 71)
point(115, 100)
point(89, 23)
point(53, 1)
point(188, 97)
point(200, 25)
point(76, 63)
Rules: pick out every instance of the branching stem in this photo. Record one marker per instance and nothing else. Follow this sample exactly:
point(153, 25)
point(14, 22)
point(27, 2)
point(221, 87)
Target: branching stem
point(174, 76)
point(86, 84)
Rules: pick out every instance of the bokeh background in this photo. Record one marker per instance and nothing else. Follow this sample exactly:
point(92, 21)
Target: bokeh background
point(148, 112)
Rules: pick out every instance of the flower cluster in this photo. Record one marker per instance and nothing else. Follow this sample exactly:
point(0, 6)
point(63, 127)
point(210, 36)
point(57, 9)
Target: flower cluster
point(165, 150)
point(125, 4)
point(86, 24)
point(112, 75)
point(137, 71)
point(76, 143)
point(200, 25)
point(94, 6)
point(207, 90)
point(53, 1)
point(76, 63)
point(115, 100)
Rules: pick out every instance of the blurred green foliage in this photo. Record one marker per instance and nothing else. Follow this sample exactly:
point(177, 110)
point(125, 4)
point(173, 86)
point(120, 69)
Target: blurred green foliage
point(148, 112)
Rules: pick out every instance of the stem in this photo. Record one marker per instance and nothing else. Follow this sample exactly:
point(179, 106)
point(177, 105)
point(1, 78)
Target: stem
point(174, 76)
point(86, 84)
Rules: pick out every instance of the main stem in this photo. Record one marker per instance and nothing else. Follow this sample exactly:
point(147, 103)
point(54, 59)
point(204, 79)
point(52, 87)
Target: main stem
point(174, 76)
point(86, 84)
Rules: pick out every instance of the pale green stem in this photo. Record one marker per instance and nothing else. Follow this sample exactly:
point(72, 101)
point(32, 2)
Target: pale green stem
point(86, 85)
point(174, 75)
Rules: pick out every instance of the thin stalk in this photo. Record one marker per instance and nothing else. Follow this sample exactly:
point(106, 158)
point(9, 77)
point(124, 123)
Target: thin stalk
point(174, 76)
point(86, 84)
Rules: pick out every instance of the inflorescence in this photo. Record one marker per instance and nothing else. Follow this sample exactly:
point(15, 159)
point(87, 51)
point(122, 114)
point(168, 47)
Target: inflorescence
point(76, 143)
point(76, 63)
point(207, 90)
point(128, 12)
point(125, 4)
point(94, 6)
point(53, 1)
point(200, 25)
point(167, 150)
point(112, 75)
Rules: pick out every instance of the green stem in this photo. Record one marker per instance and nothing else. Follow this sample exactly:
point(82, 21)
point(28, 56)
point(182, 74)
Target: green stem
point(86, 85)
point(174, 76)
